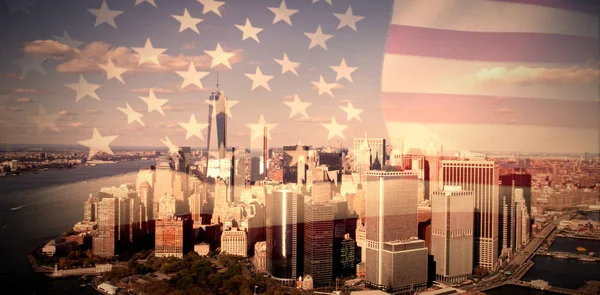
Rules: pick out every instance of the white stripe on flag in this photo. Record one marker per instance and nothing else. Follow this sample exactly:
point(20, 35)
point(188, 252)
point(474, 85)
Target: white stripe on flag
point(493, 16)
point(414, 74)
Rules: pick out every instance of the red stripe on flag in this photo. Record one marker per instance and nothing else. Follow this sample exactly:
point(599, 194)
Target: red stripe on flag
point(486, 46)
point(468, 109)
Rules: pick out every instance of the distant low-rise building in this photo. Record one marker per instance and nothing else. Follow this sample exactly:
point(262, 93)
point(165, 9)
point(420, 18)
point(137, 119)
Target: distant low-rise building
point(202, 249)
point(234, 241)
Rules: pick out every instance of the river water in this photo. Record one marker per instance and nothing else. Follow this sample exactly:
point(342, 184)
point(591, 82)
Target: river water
point(36, 208)
point(565, 273)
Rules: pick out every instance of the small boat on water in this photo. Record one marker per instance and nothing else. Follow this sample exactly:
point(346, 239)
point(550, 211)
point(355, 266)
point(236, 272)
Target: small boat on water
point(581, 249)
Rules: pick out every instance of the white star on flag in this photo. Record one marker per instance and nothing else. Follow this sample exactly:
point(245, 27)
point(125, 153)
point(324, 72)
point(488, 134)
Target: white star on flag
point(132, 115)
point(257, 130)
point(187, 21)
point(154, 104)
point(328, 1)
point(287, 65)
point(282, 13)
point(112, 71)
point(258, 79)
point(230, 104)
point(297, 155)
point(351, 112)
point(325, 87)
point(343, 71)
point(98, 143)
point(67, 40)
point(193, 128)
point(148, 53)
point(46, 121)
point(318, 38)
point(169, 144)
point(191, 76)
point(298, 107)
point(151, 2)
point(211, 5)
point(105, 15)
point(83, 89)
point(249, 31)
point(348, 19)
point(219, 56)
point(335, 129)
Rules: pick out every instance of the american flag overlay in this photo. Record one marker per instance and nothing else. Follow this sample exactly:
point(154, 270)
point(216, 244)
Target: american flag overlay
point(413, 71)
point(299, 146)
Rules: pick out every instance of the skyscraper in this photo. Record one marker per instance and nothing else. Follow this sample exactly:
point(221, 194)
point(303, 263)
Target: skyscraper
point(284, 230)
point(509, 183)
point(255, 167)
point(90, 208)
point(218, 109)
point(452, 234)
point(146, 198)
point(376, 145)
point(238, 173)
point(105, 241)
point(293, 158)
point(432, 167)
point(480, 177)
point(318, 242)
point(164, 176)
point(166, 207)
point(396, 259)
point(196, 202)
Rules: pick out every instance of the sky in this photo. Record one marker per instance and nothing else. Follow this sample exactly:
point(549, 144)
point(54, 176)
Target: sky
point(426, 67)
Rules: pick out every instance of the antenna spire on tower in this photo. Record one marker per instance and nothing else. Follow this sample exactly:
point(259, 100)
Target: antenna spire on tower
point(217, 81)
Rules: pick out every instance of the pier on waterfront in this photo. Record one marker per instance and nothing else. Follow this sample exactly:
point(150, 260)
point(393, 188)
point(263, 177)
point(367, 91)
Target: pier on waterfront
point(566, 255)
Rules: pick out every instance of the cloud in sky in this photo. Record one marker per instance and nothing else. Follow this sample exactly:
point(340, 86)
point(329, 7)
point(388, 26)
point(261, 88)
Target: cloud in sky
point(550, 76)
point(194, 88)
point(99, 52)
point(50, 48)
point(23, 100)
point(28, 90)
point(502, 111)
point(168, 125)
point(77, 124)
point(147, 90)
point(172, 108)
point(92, 112)
point(11, 76)
point(314, 120)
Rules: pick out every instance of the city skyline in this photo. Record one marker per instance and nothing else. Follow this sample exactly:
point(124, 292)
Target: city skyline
point(513, 101)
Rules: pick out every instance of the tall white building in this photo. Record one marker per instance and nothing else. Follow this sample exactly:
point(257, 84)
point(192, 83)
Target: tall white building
point(452, 234)
point(480, 177)
point(522, 233)
point(395, 259)
point(164, 177)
